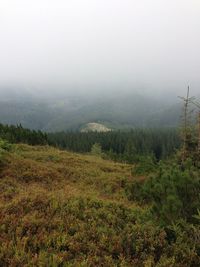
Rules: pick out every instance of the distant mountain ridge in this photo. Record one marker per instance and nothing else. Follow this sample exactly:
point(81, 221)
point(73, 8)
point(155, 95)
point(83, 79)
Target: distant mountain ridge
point(119, 111)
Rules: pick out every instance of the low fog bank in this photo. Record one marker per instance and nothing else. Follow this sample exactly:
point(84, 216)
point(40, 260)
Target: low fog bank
point(17, 94)
point(54, 49)
point(64, 110)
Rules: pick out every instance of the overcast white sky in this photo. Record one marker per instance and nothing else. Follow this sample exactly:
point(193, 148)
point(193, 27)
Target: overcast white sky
point(150, 44)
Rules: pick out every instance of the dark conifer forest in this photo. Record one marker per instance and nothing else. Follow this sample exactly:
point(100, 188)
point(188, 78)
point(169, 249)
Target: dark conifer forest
point(120, 145)
point(124, 146)
point(18, 134)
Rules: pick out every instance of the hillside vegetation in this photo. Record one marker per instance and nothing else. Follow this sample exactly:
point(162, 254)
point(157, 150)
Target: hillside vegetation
point(124, 146)
point(65, 209)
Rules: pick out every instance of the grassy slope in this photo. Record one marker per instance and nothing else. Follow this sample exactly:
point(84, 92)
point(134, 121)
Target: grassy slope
point(64, 209)
point(53, 169)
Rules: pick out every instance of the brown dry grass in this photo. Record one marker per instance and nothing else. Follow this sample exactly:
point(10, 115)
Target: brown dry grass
point(43, 194)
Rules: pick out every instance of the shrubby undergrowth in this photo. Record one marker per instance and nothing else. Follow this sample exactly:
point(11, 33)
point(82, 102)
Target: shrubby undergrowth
point(4, 148)
point(173, 193)
point(63, 209)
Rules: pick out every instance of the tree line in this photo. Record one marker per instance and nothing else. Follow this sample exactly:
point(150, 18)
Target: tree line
point(127, 146)
point(18, 134)
point(119, 145)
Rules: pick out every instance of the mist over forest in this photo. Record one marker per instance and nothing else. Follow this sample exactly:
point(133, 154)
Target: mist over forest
point(119, 63)
point(68, 111)
point(100, 133)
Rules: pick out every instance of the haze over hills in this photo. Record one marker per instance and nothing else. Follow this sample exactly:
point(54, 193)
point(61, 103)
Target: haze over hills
point(118, 63)
point(73, 112)
point(94, 168)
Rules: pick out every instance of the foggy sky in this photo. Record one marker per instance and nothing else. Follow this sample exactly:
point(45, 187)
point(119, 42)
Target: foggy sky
point(100, 44)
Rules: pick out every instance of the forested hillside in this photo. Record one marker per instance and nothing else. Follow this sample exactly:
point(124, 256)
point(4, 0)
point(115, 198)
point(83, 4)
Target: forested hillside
point(130, 198)
point(127, 146)
point(120, 111)
point(99, 144)
point(18, 134)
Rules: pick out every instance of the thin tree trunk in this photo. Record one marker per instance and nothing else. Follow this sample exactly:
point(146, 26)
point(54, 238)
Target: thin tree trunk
point(185, 125)
point(199, 134)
